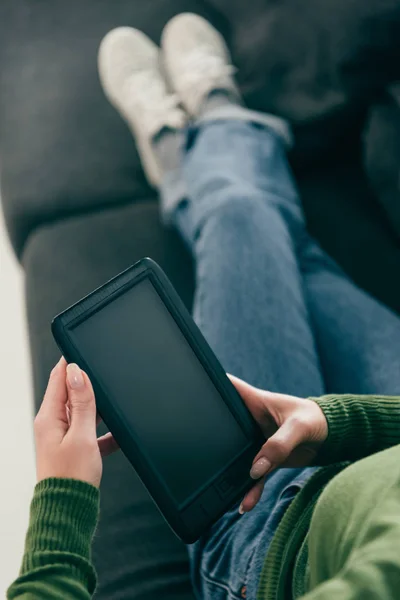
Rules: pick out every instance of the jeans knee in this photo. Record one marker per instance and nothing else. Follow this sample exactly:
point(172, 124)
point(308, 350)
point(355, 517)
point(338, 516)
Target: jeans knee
point(237, 210)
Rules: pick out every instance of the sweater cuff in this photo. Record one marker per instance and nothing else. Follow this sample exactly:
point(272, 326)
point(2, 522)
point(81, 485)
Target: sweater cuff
point(358, 426)
point(63, 519)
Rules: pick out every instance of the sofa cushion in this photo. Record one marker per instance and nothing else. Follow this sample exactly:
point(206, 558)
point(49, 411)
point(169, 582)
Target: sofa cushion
point(63, 147)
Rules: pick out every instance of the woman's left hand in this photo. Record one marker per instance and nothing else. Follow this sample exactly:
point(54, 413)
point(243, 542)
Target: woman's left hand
point(65, 429)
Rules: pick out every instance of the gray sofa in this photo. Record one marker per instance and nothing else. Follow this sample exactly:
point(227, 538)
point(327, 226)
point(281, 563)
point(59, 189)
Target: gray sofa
point(78, 208)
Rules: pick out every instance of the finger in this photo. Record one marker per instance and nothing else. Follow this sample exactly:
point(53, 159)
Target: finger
point(107, 444)
point(244, 389)
point(252, 497)
point(55, 399)
point(250, 395)
point(81, 401)
point(248, 391)
point(98, 417)
point(278, 448)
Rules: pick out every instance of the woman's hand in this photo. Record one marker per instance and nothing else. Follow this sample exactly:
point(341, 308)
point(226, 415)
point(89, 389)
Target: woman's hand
point(65, 429)
point(294, 428)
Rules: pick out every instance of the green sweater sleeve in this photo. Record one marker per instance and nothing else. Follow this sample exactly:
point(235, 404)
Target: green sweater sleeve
point(358, 426)
point(56, 562)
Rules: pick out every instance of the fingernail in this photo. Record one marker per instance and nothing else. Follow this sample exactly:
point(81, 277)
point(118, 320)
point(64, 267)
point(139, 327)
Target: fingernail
point(241, 509)
point(260, 468)
point(75, 377)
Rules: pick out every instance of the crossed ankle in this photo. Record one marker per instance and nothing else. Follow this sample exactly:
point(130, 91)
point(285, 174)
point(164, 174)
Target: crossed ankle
point(218, 98)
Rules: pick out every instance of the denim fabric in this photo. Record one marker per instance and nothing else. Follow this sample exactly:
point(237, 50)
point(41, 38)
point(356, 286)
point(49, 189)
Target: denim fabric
point(277, 311)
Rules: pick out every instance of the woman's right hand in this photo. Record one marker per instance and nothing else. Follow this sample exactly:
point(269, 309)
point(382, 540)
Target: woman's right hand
point(294, 429)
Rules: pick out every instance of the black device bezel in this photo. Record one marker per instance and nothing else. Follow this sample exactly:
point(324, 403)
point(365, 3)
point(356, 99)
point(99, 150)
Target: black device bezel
point(197, 514)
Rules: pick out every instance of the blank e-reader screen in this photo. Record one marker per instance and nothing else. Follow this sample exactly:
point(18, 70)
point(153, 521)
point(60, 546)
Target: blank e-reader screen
point(145, 365)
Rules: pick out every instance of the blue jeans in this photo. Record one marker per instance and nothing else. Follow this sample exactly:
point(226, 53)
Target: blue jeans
point(277, 311)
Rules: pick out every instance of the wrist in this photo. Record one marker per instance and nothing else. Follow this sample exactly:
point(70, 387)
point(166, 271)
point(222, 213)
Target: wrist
point(63, 518)
point(321, 430)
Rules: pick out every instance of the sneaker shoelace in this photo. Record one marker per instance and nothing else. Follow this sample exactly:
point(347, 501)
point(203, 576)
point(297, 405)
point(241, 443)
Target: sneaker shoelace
point(202, 64)
point(149, 92)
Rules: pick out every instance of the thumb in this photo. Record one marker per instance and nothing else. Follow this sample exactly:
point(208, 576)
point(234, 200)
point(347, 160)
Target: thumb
point(252, 397)
point(277, 448)
point(81, 400)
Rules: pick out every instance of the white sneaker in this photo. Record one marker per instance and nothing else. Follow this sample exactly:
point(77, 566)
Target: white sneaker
point(197, 60)
point(129, 68)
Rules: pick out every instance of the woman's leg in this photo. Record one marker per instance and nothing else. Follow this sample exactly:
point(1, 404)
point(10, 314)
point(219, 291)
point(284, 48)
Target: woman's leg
point(242, 222)
point(239, 213)
point(357, 338)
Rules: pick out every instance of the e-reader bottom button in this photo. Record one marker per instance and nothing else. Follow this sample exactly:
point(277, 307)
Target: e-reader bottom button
point(210, 502)
point(224, 487)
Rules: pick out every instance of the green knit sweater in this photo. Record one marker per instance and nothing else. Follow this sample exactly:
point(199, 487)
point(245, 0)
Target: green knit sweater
point(339, 539)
